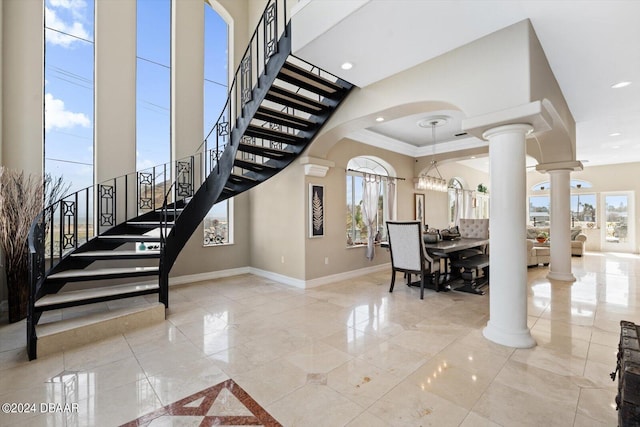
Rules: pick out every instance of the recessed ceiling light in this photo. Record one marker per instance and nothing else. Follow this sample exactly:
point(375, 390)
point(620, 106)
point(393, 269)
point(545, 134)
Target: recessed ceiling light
point(615, 146)
point(347, 66)
point(615, 134)
point(472, 157)
point(620, 85)
point(379, 119)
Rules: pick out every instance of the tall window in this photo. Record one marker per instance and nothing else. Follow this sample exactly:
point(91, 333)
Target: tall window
point(68, 89)
point(218, 222)
point(153, 84)
point(356, 228)
point(539, 210)
point(583, 210)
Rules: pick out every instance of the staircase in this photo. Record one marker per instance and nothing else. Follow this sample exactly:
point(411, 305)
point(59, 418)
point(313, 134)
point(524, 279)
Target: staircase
point(143, 220)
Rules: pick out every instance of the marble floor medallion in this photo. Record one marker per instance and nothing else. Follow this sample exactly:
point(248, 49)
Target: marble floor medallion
point(223, 404)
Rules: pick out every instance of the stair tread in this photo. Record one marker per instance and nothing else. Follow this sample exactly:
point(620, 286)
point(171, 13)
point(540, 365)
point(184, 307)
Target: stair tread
point(85, 294)
point(299, 71)
point(131, 237)
point(103, 272)
point(156, 223)
point(149, 253)
point(52, 328)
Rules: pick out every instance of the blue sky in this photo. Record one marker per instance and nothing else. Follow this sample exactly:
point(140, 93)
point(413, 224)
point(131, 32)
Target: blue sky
point(69, 85)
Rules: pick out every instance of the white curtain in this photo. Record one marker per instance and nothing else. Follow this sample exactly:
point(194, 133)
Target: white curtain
point(468, 204)
point(370, 196)
point(458, 206)
point(391, 199)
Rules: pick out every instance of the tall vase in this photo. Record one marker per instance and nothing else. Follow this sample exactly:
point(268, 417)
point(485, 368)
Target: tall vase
point(18, 290)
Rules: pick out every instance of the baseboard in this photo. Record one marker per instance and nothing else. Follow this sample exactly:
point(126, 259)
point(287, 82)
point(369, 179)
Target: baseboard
point(277, 277)
point(347, 275)
point(201, 277)
point(308, 284)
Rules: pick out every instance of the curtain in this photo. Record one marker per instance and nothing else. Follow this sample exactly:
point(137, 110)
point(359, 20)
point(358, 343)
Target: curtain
point(468, 204)
point(370, 196)
point(458, 206)
point(391, 198)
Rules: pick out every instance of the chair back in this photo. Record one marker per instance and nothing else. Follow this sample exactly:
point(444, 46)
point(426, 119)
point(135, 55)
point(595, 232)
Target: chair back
point(474, 228)
point(405, 245)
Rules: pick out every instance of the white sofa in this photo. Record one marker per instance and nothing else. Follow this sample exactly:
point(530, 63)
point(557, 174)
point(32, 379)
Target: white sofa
point(578, 240)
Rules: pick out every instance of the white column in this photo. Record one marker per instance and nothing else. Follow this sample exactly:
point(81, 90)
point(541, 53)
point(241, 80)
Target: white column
point(507, 224)
point(560, 266)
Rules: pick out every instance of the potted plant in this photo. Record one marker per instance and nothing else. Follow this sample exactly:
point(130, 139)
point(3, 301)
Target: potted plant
point(542, 237)
point(22, 198)
point(482, 188)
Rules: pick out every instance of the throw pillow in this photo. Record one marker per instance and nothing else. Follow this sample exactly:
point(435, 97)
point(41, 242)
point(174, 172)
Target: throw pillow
point(532, 233)
point(574, 232)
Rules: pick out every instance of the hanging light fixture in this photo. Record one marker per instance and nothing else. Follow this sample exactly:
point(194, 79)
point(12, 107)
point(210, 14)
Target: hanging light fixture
point(426, 181)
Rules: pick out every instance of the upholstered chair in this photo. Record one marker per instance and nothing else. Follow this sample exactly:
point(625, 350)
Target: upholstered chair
point(409, 256)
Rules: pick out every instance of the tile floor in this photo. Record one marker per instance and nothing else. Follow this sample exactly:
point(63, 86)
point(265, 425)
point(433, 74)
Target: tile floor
point(348, 353)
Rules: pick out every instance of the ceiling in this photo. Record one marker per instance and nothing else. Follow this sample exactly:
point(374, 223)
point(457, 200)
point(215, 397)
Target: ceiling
point(590, 45)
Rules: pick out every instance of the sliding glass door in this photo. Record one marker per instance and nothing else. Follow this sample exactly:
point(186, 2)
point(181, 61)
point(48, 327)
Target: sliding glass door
point(617, 222)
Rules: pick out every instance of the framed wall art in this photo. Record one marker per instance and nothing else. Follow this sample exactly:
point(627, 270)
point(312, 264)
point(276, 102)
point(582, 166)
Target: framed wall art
point(316, 210)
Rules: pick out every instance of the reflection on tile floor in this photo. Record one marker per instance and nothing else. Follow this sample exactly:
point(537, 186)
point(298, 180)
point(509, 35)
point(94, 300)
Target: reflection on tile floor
point(346, 353)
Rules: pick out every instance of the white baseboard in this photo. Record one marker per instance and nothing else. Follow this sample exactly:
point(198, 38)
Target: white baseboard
point(347, 275)
point(308, 284)
point(277, 277)
point(280, 278)
point(200, 277)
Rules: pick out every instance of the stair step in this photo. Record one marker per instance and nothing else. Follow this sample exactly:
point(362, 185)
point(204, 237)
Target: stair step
point(242, 179)
point(96, 255)
point(284, 119)
point(102, 274)
point(272, 153)
point(129, 238)
point(298, 76)
point(149, 224)
point(254, 166)
point(59, 336)
point(88, 296)
point(294, 100)
point(274, 135)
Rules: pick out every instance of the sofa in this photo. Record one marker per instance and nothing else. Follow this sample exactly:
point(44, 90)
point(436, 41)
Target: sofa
point(540, 255)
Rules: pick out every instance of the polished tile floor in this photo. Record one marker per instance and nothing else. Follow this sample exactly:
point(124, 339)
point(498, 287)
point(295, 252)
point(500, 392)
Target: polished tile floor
point(347, 353)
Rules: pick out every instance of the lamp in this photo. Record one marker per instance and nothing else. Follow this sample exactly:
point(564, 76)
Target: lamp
point(426, 181)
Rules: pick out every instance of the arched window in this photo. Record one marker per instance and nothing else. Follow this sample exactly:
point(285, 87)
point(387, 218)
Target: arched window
point(356, 228)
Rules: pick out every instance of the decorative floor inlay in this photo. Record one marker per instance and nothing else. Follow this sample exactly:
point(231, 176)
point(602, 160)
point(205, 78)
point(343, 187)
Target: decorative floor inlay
point(223, 404)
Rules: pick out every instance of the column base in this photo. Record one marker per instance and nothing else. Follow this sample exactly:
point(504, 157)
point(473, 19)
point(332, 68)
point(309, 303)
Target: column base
point(563, 277)
point(517, 339)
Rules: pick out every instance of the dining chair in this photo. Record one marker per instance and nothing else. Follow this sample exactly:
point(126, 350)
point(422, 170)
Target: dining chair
point(473, 229)
point(409, 256)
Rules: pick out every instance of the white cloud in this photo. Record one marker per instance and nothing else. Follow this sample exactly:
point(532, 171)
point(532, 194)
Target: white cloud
point(59, 39)
point(68, 4)
point(56, 117)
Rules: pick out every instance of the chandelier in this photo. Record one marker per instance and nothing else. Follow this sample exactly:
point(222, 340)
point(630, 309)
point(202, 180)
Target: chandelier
point(435, 182)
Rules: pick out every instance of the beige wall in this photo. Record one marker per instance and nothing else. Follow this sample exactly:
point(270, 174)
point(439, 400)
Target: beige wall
point(22, 83)
point(619, 177)
point(115, 89)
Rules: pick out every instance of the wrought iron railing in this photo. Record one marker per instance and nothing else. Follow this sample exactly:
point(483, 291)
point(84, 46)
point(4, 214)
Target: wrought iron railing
point(77, 218)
